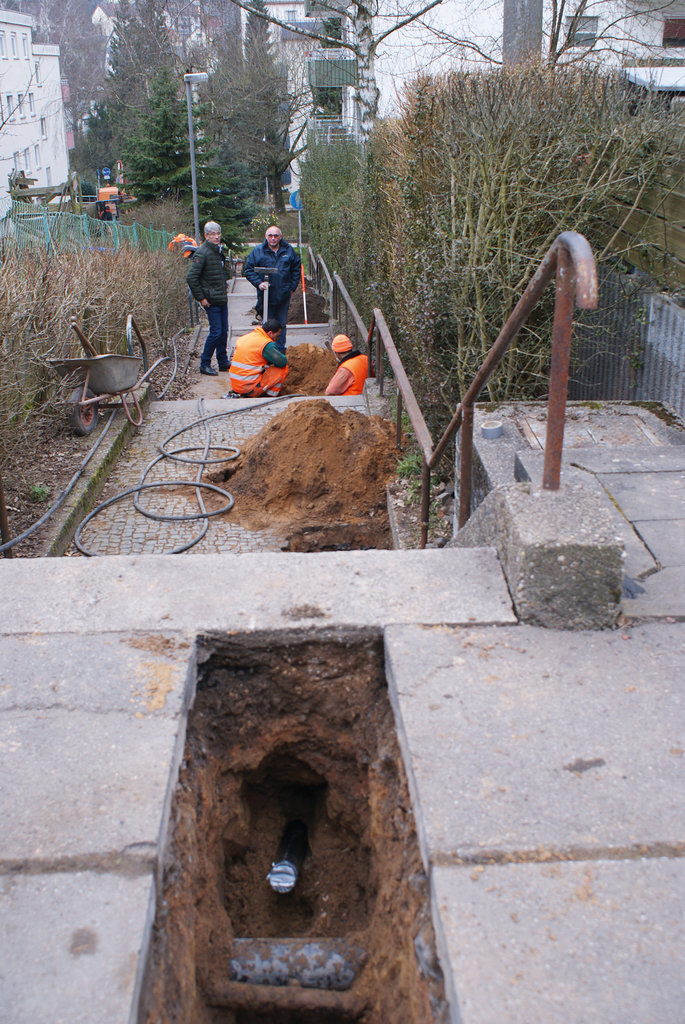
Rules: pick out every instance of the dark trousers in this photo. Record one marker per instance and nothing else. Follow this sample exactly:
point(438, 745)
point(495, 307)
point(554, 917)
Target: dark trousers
point(280, 313)
point(217, 337)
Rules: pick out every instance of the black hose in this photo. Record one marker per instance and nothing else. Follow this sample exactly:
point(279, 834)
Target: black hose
point(177, 455)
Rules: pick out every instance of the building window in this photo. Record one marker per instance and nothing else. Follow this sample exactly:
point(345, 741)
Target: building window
point(36, 73)
point(674, 32)
point(11, 112)
point(25, 46)
point(27, 159)
point(3, 46)
point(43, 128)
point(20, 104)
point(291, 16)
point(36, 155)
point(32, 105)
point(17, 161)
point(13, 44)
point(582, 31)
point(48, 175)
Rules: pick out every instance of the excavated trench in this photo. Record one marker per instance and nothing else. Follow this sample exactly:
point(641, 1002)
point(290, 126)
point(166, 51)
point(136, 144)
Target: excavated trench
point(293, 735)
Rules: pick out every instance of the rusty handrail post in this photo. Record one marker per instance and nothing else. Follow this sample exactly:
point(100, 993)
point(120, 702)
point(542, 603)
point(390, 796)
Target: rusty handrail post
point(370, 354)
point(425, 500)
point(466, 462)
point(380, 368)
point(576, 280)
point(398, 421)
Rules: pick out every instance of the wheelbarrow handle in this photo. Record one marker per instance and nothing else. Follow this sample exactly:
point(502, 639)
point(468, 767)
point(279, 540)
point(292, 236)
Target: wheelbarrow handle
point(87, 346)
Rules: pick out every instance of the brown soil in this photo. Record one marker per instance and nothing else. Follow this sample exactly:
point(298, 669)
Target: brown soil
point(311, 368)
point(303, 730)
point(317, 312)
point(313, 465)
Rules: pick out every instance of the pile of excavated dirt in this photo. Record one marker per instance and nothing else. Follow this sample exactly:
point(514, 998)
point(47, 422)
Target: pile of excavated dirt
point(311, 465)
point(316, 307)
point(311, 368)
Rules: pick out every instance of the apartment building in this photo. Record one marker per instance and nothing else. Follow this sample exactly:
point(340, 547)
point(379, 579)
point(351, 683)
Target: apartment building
point(32, 127)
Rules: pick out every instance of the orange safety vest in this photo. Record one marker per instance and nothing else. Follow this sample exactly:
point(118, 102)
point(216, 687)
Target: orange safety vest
point(357, 365)
point(248, 363)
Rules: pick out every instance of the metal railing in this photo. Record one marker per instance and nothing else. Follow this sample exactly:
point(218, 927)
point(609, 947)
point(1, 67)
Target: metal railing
point(570, 260)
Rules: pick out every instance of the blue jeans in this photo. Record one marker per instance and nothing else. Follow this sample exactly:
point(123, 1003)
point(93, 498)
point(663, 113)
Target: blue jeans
point(217, 337)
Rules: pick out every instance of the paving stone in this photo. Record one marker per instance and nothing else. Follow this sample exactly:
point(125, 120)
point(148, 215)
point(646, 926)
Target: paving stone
point(592, 942)
point(92, 786)
point(265, 590)
point(647, 495)
point(524, 739)
point(142, 674)
point(665, 538)
point(70, 947)
point(661, 596)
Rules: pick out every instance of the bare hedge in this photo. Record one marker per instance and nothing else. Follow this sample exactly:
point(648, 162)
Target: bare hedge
point(460, 197)
point(40, 295)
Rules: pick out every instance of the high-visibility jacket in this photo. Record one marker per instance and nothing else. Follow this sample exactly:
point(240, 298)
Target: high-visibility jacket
point(357, 365)
point(248, 363)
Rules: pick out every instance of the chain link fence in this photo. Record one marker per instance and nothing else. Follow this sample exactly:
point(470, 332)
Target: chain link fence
point(28, 227)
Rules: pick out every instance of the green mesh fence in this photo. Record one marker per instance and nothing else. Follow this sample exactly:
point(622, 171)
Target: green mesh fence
point(26, 226)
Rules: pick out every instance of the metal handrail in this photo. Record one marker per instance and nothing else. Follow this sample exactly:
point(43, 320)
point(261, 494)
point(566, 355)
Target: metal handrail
point(570, 259)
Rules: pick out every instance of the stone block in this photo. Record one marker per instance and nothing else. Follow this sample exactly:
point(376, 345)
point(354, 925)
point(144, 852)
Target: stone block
point(559, 551)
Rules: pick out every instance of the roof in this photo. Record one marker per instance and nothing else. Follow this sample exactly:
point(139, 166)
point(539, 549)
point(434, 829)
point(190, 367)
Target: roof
point(659, 79)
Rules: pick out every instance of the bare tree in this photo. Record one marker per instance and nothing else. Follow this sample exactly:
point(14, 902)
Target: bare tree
point(369, 23)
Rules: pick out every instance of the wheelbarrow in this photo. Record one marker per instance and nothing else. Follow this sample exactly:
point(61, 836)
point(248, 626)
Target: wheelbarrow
point(101, 378)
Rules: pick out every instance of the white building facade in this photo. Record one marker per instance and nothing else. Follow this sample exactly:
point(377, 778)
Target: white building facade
point(32, 127)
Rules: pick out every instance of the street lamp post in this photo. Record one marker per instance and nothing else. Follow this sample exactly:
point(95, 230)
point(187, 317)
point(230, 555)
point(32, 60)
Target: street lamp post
point(199, 76)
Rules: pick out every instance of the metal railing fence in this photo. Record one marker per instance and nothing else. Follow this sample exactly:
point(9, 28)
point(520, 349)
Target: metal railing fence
point(570, 260)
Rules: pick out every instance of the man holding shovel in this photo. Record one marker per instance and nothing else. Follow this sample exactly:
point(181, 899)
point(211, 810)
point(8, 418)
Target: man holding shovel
point(273, 267)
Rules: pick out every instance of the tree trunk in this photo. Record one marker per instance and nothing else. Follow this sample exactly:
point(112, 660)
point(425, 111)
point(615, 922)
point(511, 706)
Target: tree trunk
point(367, 88)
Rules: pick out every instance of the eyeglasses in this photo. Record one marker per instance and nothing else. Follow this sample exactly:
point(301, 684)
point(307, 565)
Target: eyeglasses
point(273, 236)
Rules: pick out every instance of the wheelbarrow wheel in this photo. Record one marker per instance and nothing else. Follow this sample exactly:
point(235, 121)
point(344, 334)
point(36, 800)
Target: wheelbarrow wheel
point(83, 419)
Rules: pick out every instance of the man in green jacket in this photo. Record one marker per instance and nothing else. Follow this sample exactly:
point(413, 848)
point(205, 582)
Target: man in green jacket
point(207, 282)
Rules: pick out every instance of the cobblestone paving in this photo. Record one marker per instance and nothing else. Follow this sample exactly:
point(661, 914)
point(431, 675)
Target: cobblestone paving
point(120, 529)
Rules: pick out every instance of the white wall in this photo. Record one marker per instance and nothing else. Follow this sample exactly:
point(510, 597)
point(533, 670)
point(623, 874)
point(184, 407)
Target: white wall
point(32, 137)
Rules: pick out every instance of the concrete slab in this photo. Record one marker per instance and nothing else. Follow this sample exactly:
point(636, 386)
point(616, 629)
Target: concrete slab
point(665, 538)
point(253, 591)
point(95, 788)
point(133, 673)
point(629, 459)
point(519, 740)
point(599, 942)
point(662, 596)
point(70, 945)
point(647, 495)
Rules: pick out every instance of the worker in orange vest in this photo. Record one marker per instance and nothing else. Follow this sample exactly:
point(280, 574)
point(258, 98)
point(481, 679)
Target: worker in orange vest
point(183, 244)
point(352, 370)
point(258, 367)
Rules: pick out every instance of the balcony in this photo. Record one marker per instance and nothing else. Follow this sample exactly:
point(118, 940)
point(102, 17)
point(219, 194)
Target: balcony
point(331, 69)
point(328, 130)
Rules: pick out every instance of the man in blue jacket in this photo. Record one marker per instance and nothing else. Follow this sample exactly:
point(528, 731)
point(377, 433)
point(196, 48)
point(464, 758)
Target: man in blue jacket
point(274, 252)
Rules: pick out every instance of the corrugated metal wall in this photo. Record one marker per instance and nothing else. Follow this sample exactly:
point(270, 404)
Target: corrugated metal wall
point(632, 348)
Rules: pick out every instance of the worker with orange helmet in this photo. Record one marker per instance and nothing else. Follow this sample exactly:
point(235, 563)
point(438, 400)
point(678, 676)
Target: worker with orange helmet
point(352, 370)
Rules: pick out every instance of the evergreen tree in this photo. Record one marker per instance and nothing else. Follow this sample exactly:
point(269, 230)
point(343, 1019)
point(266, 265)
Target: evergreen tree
point(156, 156)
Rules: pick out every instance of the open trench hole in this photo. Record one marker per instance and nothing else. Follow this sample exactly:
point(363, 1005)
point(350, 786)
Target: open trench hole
point(291, 748)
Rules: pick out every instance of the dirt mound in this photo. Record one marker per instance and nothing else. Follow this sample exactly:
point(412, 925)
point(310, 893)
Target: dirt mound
point(312, 464)
point(311, 368)
point(316, 308)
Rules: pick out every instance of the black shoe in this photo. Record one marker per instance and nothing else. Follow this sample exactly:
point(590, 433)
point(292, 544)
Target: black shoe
point(225, 369)
point(209, 371)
